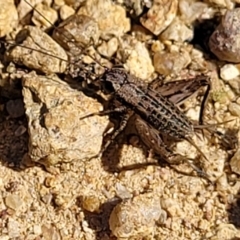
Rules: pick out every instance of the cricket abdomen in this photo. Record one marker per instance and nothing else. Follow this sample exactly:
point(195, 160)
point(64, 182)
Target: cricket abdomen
point(164, 116)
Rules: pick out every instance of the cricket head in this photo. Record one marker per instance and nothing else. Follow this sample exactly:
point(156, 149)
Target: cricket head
point(112, 80)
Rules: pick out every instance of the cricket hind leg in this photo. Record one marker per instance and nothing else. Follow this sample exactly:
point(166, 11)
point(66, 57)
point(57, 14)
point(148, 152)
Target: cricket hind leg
point(152, 139)
point(120, 109)
point(228, 140)
point(112, 136)
point(201, 126)
point(204, 102)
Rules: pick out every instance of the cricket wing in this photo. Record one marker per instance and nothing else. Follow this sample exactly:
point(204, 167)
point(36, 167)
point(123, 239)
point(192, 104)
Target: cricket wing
point(179, 91)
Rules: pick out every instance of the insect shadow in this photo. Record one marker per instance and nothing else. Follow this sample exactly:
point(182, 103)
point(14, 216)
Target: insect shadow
point(99, 220)
point(233, 209)
point(13, 135)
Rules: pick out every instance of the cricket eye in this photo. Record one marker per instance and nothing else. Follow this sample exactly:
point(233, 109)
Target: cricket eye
point(107, 87)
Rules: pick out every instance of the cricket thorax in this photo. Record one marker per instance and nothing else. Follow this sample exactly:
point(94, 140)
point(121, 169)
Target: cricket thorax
point(113, 79)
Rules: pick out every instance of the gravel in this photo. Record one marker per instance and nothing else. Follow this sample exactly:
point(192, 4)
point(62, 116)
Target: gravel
point(50, 187)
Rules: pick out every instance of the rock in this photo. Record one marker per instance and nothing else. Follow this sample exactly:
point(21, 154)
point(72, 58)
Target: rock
point(135, 216)
point(15, 108)
point(47, 18)
point(76, 33)
point(177, 31)
point(66, 11)
point(160, 15)
point(225, 40)
point(9, 17)
point(234, 109)
point(111, 18)
point(173, 62)
point(137, 58)
point(56, 133)
point(229, 71)
point(43, 57)
point(13, 201)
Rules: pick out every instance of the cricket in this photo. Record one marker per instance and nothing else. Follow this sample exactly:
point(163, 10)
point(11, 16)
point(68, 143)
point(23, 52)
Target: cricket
point(158, 113)
point(117, 122)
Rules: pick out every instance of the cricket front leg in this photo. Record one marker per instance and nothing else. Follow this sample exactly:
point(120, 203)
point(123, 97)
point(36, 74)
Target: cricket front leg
point(123, 123)
point(126, 115)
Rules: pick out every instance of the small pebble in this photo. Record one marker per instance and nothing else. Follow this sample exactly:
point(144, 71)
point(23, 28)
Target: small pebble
point(234, 109)
point(66, 11)
point(225, 40)
point(81, 29)
point(225, 231)
point(160, 15)
point(235, 162)
point(229, 71)
point(122, 192)
point(135, 216)
point(13, 201)
point(171, 206)
point(62, 201)
point(9, 17)
point(108, 48)
point(235, 85)
point(20, 131)
point(15, 108)
point(138, 61)
point(49, 232)
point(50, 16)
point(37, 229)
point(111, 18)
point(191, 11)
point(173, 62)
point(13, 229)
point(177, 31)
point(91, 203)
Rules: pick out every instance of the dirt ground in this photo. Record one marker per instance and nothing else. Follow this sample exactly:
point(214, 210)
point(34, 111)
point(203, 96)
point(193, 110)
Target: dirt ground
point(51, 188)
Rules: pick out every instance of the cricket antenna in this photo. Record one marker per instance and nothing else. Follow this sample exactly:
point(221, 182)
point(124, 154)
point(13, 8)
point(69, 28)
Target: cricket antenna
point(65, 35)
point(12, 44)
point(34, 8)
